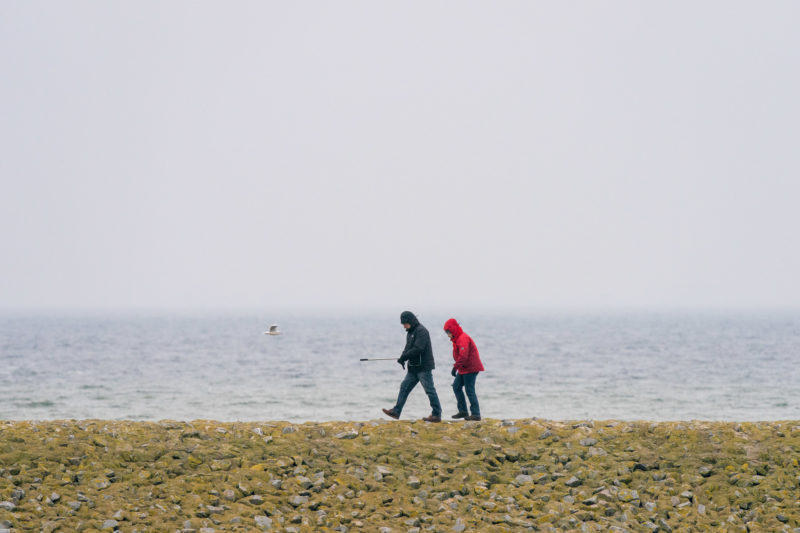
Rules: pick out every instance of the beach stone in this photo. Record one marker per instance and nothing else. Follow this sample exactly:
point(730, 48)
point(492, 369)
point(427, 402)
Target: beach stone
point(705, 471)
point(522, 479)
point(627, 496)
point(588, 442)
point(298, 500)
point(573, 482)
point(414, 482)
point(459, 526)
point(17, 495)
point(304, 482)
point(8, 506)
point(110, 524)
point(350, 434)
point(263, 522)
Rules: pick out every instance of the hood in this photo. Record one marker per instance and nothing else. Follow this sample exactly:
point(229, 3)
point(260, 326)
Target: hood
point(452, 326)
point(407, 317)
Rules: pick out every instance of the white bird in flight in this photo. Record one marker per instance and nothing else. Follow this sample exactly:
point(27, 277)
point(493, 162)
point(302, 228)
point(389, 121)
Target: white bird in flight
point(273, 330)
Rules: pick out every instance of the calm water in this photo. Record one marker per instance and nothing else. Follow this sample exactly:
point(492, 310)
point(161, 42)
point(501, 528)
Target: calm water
point(655, 366)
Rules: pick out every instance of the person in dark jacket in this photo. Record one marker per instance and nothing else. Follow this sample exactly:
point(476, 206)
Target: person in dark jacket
point(465, 370)
point(418, 354)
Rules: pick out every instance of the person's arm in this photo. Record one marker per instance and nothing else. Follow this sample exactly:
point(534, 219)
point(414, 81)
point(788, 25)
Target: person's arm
point(461, 352)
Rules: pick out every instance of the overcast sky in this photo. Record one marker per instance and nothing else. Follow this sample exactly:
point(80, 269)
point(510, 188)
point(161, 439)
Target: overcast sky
point(399, 154)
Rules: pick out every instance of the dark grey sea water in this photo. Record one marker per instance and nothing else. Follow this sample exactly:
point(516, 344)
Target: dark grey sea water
point(637, 365)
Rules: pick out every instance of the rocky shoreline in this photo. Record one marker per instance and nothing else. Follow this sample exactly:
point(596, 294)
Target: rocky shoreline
point(513, 475)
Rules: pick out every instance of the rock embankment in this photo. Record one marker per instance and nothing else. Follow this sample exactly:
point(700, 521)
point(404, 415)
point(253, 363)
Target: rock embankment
point(206, 476)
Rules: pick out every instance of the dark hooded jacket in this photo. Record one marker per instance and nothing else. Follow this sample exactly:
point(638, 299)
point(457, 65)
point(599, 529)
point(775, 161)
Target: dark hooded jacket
point(465, 353)
point(418, 352)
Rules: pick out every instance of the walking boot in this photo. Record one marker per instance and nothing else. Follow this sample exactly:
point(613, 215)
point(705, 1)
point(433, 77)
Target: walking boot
point(432, 418)
point(472, 417)
point(460, 414)
point(390, 413)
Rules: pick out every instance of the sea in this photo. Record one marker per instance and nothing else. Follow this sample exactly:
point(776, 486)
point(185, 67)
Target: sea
point(597, 365)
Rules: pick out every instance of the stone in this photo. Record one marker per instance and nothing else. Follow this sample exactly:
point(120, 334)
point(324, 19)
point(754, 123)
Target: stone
point(522, 479)
point(705, 471)
point(459, 526)
point(588, 442)
point(263, 522)
point(110, 524)
point(350, 434)
point(573, 482)
point(8, 506)
point(414, 482)
point(626, 495)
point(298, 500)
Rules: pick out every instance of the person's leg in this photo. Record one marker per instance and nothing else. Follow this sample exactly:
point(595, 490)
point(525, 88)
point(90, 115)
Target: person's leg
point(469, 385)
point(408, 383)
point(458, 390)
point(426, 378)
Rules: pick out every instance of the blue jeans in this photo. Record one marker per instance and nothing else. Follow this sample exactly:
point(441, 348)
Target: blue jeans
point(466, 381)
point(409, 382)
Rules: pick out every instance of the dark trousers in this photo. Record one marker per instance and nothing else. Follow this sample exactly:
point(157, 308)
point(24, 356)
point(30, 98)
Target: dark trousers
point(466, 382)
point(409, 382)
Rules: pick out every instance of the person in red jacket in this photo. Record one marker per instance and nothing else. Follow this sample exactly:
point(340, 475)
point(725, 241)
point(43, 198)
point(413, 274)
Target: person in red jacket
point(465, 370)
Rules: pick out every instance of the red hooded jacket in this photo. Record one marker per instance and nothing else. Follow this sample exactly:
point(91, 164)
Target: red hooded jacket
point(465, 353)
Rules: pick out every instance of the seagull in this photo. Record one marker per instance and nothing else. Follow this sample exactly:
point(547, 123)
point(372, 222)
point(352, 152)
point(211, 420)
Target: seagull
point(273, 330)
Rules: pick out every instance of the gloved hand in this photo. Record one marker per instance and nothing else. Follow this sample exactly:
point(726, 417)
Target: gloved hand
point(401, 363)
point(453, 372)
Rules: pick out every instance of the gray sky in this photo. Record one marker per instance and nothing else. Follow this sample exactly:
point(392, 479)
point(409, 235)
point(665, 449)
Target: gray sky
point(399, 154)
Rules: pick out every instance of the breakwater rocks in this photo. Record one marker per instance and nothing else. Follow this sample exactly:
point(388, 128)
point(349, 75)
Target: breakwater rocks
point(492, 475)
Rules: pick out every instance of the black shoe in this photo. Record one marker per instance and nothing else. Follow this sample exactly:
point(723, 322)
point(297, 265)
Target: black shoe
point(432, 418)
point(390, 413)
point(472, 417)
point(460, 414)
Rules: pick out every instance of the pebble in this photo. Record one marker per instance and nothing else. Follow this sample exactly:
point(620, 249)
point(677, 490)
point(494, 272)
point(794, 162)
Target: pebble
point(522, 479)
point(298, 500)
point(263, 522)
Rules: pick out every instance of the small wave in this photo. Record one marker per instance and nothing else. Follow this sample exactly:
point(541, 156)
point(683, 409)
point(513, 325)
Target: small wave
point(35, 405)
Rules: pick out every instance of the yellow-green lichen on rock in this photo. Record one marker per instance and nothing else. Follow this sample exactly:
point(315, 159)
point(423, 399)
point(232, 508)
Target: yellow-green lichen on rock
point(492, 475)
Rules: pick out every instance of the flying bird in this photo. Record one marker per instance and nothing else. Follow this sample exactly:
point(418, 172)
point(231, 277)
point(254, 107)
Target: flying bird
point(273, 330)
